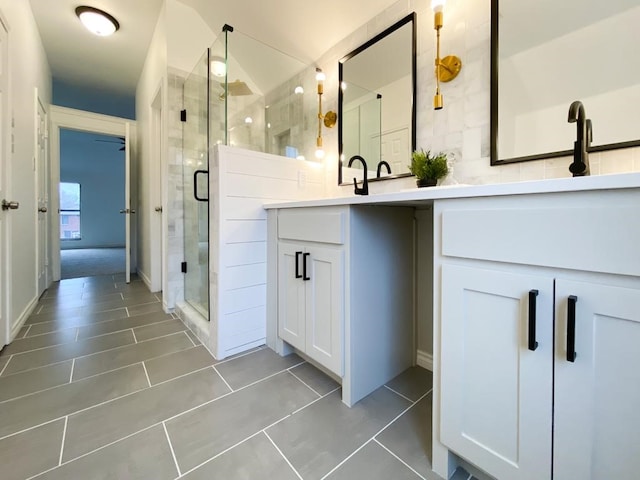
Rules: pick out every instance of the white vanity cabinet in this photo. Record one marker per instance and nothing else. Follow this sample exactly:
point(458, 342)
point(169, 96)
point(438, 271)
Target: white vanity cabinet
point(344, 291)
point(562, 268)
point(311, 301)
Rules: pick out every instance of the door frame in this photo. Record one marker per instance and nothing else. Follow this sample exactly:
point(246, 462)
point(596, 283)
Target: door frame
point(158, 220)
point(5, 171)
point(44, 200)
point(80, 120)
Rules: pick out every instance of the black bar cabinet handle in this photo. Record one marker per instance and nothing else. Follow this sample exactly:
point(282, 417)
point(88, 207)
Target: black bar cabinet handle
point(304, 267)
point(298, 264)
point(571, 328)
point(195, 185)
point(532, 320)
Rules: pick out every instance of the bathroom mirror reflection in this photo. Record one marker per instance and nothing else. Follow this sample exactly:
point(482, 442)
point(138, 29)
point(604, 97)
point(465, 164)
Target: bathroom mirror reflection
point(376, 104)
point(575, 52)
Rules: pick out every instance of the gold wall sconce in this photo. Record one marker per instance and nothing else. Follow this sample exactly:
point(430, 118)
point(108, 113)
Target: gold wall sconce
point(447, 68)
point(329, 119)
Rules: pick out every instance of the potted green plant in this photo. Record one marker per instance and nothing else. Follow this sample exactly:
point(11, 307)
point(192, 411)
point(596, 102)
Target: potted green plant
point(428, 168)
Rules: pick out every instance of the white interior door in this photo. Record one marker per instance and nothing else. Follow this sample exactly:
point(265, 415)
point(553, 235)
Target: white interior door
point(127, 199)
point(5, 285)
point(42, 168)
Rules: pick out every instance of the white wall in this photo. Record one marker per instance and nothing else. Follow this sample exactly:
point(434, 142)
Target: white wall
point(462, 126)
point(151, 166)
point(28, 70)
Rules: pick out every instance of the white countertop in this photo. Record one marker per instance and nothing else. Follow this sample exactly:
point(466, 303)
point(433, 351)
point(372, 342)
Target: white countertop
point(417, 195)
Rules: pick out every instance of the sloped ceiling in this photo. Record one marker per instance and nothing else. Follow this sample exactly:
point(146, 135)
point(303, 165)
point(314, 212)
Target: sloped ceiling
point(302, 29)
point(77, 57)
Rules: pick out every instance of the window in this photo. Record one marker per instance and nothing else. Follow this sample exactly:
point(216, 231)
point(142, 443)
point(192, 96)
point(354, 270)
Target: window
point(70, 211)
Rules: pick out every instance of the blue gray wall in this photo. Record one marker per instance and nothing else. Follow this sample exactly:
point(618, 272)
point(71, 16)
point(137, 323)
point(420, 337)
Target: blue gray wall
point(93, 100)
point(99, 169)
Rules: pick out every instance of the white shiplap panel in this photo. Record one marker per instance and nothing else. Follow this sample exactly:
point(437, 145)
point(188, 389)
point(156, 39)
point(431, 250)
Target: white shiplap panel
point(268, 188)
point(233, 301)
point(242, 231)
point(244, 208)
point(247, 320)
point(244, 276)
point(244, 254)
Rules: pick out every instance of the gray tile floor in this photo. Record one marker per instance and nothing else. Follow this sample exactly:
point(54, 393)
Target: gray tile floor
point(101, 384)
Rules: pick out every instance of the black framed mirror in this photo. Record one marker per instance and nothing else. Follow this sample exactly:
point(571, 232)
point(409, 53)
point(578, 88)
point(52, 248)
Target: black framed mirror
point(574, 52)
point(377, 104)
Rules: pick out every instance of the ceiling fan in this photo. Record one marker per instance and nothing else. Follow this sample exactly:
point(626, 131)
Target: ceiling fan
point(118, 140)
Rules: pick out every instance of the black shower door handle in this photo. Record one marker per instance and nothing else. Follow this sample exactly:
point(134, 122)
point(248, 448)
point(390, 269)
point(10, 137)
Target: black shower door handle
point(195, 185)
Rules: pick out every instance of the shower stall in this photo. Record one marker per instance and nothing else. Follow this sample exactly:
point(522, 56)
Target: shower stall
point(244, 94)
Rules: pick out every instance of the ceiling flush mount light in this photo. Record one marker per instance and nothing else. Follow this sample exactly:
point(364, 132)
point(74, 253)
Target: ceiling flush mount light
point(218, 66)
point(96, 21)
point(448, 67)
point(329, 118)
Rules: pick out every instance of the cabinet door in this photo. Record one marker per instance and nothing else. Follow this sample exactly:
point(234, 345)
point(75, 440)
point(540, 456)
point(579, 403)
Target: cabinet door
point(291, 311)
point(325, 307)
point(597, 396)
point(496, 394)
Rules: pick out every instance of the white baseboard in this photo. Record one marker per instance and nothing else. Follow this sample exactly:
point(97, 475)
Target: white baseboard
point(145, 279)
point(424, 360)
point(22, 319)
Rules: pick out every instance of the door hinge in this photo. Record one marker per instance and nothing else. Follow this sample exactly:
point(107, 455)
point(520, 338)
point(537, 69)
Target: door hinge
point(183, 267)
point(183, 115)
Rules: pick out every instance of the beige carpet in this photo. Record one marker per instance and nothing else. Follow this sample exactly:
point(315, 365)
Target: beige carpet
point(87, 262)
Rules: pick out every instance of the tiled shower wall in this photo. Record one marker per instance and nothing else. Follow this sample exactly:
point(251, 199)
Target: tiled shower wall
point(175, 189)
point(462, 126)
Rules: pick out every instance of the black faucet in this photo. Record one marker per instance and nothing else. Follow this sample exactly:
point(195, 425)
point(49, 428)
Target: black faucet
point(580, 165)
point(365, 184)
point(380, 164)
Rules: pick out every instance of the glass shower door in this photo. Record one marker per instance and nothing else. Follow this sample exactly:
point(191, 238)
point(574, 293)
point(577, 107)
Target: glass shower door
point(195, 168)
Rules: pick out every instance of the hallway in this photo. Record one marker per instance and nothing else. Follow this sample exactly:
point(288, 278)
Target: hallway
point(102, 384)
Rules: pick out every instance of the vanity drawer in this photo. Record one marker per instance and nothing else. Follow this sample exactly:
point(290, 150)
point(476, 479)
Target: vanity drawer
point(589, 238)
point(312, 225)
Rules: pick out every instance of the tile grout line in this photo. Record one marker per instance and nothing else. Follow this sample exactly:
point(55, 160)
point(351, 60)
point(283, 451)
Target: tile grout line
point(398, 393)
point(223, 379)
point(396, 456)
point(77, 333)
point(101, 373)
point(219, 454)
point(376, 434)
point(173, 454)
point(146, 374)
point(27, 332)
point(93, 353)
point(235, 357)
point(283, 456)
point(115, 331)
point(28, 429)
point(403, 412)
point(126, 309)
point(93, 451)
point(73, 366)
point(316, 400)
point(6, 365)
point(346, 459)
point(304, 383)
point(40, 309)
point(64, 437)
point(135, 339)
point(194, 343)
